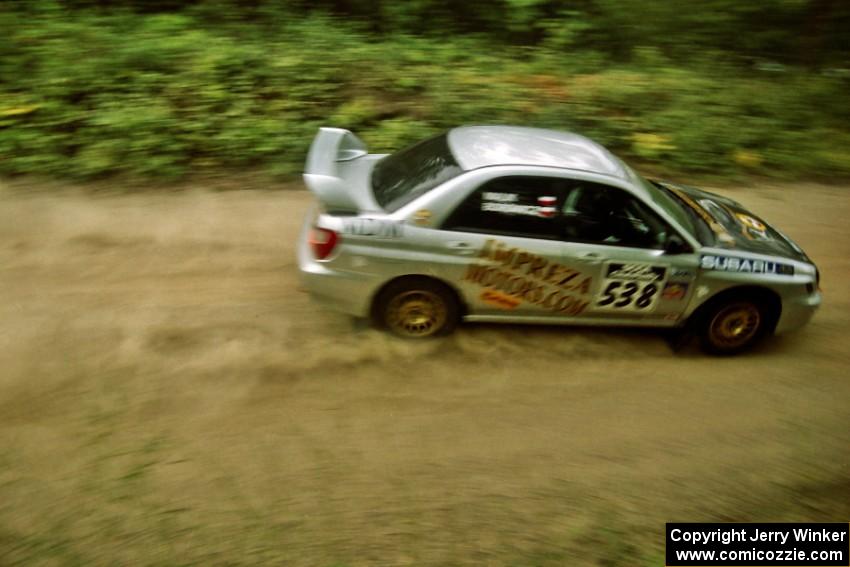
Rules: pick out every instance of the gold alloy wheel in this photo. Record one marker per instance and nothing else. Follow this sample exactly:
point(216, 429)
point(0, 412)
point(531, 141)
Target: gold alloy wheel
point(416, 313)
point(734, 325)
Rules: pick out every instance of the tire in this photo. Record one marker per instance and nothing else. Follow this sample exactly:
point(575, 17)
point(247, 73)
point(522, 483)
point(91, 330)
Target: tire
point(417, 309)
point(733, 325)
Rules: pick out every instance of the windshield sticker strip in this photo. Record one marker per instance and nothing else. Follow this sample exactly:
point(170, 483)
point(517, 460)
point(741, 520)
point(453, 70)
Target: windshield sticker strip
point(715, 226)
point(731, 264)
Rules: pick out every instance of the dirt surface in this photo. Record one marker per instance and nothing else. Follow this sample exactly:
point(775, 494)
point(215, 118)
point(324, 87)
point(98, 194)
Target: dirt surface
point(168, 396)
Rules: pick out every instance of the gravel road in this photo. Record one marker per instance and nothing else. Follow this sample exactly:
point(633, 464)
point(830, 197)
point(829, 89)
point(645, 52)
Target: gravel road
point(169, 396)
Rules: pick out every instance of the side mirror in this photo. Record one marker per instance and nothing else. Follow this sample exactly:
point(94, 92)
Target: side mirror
point(675, 245)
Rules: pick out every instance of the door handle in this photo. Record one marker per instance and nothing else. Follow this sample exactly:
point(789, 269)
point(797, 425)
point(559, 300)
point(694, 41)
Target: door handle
point(461, 247)
point(591, 257)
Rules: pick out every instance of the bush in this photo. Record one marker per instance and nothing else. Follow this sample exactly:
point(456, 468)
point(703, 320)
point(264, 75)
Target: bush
point(89, 92)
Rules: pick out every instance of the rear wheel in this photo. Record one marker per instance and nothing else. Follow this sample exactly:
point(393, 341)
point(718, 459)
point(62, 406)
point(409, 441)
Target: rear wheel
point(733, 326)
point(417, 308)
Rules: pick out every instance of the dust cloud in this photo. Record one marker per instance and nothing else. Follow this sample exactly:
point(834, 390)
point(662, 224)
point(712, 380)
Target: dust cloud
point(167, 393)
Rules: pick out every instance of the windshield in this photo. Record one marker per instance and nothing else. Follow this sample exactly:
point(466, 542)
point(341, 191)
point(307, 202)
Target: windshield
point(409, 173)
point(664, 199)
point(698, 226)
point(672, 205)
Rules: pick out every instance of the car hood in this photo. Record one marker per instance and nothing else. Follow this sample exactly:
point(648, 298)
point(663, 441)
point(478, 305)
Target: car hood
point(735, 227)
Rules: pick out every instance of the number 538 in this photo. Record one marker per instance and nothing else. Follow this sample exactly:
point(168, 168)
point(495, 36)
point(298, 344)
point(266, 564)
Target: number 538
point(628, 294)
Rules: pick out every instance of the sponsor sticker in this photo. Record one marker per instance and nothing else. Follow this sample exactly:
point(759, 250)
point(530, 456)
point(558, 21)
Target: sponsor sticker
point(510, 208)
point(528, 277)
point(631, 286)
point(508, 203)
point(422, 216)
point(500, 197)
point(675, 291)
point(500, 299)
point(379, 228)
point(744, 265)
point(547, 206)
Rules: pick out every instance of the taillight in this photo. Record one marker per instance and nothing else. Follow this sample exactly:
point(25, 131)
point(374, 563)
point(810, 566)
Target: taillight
point(322, 241)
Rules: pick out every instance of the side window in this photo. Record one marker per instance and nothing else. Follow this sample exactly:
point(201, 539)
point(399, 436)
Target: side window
point(513, 206)
point(600, 214)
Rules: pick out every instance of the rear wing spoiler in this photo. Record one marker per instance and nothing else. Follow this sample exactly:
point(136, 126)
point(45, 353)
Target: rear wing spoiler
point(330, 150)
point(331, 146)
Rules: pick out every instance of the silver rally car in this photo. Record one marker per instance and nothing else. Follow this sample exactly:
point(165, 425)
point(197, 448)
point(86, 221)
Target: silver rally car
point(524, 225)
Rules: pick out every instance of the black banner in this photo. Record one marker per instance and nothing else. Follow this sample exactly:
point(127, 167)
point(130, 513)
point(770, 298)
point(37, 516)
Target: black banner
point(759, 545)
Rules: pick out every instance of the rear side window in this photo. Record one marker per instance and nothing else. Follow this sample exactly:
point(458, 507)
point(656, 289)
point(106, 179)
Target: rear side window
point(559, 209)
point(513, 206)
point(407, 174)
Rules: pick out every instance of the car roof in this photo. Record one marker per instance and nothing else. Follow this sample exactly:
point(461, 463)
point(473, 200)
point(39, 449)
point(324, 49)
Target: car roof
point(483, 146)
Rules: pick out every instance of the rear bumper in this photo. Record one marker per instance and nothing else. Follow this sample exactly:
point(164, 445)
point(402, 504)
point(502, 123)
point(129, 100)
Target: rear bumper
point(335, 290)
point(797, 312)
point(341, 290)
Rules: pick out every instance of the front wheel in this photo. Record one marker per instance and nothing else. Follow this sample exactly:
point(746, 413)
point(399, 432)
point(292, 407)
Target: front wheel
point(417, 309)
point(733, 326)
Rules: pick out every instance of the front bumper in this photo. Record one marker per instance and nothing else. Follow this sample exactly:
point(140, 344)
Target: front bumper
point(797, 312)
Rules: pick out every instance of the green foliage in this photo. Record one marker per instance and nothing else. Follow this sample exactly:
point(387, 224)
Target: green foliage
point(215, 84)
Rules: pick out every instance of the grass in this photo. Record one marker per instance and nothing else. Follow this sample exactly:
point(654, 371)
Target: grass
point(89, 95)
